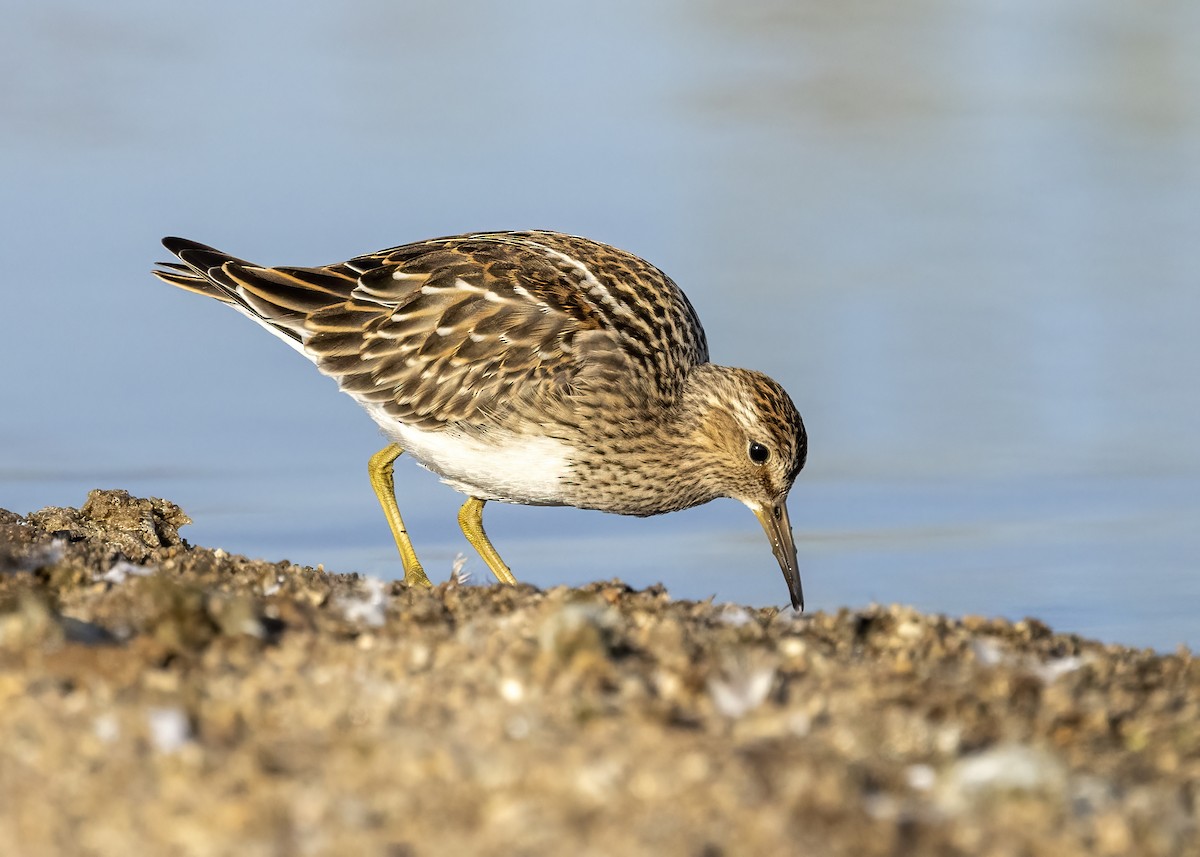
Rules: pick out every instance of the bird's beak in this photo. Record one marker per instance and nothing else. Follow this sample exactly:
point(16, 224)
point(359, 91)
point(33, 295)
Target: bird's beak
point(774, 520)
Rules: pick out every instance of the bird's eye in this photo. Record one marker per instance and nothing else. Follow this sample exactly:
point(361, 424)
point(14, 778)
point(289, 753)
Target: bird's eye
point(759, 453)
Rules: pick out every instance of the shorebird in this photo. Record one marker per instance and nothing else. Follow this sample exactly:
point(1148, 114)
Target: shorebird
point(528, 367)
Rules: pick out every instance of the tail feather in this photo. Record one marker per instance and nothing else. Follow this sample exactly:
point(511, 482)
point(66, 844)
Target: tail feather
point(282, 288)
point(185, 279)
point(278, 298)
point(199, 271)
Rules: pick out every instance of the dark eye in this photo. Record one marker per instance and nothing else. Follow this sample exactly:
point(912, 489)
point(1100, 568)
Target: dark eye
point(758, 453)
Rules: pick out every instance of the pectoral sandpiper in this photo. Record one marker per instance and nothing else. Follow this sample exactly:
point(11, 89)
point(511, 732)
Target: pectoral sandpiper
point(528, 367)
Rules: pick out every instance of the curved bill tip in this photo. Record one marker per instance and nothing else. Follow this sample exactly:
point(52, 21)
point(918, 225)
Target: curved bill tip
point(774, 520)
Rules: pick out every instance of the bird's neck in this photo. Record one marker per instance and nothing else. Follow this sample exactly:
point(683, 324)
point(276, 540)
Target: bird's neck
point(660, 465)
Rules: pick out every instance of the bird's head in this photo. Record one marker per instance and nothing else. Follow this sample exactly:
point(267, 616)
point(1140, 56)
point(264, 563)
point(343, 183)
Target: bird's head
point(747, 422)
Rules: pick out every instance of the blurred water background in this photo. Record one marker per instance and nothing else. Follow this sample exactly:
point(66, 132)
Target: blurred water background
point(964, 236)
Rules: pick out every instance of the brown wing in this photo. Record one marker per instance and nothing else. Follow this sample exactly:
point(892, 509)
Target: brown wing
point(460, 329)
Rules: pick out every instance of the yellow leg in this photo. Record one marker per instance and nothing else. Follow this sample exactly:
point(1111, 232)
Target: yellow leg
point(380, 468)
point(470, 520)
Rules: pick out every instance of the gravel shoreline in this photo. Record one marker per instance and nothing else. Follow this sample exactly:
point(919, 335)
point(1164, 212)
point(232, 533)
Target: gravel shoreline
point(158, 697)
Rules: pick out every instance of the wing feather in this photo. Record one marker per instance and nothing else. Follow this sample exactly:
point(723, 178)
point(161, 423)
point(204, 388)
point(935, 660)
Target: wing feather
point(463, 329)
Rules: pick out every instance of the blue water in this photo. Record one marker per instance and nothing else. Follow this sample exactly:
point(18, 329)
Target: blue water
point(963, 237)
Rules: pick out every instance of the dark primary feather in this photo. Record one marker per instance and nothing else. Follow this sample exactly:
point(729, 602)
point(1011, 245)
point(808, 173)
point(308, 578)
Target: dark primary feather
point(457, 329)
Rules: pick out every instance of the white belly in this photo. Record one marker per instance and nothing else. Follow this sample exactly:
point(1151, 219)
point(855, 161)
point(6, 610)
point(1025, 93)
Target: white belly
point(513, 469)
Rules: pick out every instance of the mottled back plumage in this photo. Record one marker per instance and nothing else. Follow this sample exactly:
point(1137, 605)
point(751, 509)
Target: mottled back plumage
point(494, 317)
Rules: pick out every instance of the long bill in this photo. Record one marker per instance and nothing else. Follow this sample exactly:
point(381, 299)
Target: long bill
point(774, 520)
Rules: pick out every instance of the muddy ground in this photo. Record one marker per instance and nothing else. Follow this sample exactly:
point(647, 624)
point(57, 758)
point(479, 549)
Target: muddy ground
point(162, 698)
